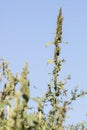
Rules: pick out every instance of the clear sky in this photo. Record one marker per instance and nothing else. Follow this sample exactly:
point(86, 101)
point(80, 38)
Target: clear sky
point(26, 26)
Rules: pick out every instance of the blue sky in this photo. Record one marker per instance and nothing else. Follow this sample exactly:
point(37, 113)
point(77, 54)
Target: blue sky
point(26, 26)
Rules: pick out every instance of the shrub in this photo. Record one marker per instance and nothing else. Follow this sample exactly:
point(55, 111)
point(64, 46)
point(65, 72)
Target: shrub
point(16, 114)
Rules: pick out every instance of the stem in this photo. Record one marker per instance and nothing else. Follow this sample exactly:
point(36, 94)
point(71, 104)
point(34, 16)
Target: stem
point(58, 40)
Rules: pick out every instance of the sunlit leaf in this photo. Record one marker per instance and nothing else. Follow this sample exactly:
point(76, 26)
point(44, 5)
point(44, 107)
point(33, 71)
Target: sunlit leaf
point(48, 43)
point(50, 61)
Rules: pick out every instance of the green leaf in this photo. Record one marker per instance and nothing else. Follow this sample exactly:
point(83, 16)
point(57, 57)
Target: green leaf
point(3, 104)
point(48, 43)
point(67, 117)
point(60, 87)
point(38, 100)
point(50, 61)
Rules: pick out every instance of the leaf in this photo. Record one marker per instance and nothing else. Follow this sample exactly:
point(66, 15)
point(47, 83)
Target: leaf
point(48, 43)
point(50, 61)
point(67, 117)
point(38, 100)
point(60, 87)
point(3, 104)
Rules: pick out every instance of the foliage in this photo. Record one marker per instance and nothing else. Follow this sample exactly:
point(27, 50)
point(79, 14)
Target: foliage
point(15, 112)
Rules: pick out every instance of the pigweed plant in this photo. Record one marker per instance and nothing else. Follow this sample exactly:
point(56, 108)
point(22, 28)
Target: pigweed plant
point(15, 111)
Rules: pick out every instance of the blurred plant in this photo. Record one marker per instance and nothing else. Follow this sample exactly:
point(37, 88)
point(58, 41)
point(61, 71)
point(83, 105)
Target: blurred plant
point(14, 107)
